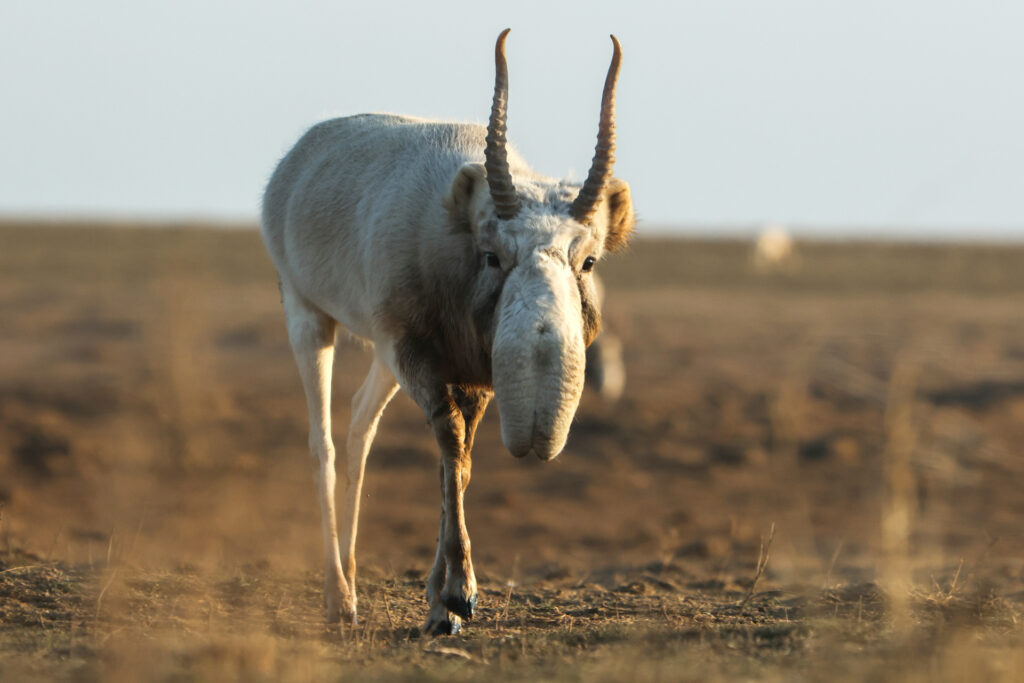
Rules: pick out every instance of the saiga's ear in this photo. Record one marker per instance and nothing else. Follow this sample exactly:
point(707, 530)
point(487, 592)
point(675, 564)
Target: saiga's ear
point(621, 220)
point(458, 201)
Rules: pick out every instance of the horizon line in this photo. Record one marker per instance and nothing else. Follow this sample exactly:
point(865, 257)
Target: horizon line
point(808, 231)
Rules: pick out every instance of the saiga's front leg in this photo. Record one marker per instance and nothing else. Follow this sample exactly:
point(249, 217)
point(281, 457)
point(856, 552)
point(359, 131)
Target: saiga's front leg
point(451, 587)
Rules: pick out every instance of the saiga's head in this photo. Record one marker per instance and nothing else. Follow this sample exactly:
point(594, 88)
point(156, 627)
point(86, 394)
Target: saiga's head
point(537, 243)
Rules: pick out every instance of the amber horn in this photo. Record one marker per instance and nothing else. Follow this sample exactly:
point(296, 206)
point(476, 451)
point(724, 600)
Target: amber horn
point(585, 205)
point(499, 179)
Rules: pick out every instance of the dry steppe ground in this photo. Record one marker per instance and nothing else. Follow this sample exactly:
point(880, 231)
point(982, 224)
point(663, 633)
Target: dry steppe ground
point(813, 474)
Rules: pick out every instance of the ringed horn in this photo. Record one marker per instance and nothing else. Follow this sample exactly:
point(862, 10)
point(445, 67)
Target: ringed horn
point(499, 179)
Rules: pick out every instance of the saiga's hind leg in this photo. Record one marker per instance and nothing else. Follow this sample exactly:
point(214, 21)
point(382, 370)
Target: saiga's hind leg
point(367, 406)
point(312, 335)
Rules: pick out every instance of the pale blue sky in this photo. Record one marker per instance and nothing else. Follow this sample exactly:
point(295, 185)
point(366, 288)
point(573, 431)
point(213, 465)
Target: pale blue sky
point(902, 117)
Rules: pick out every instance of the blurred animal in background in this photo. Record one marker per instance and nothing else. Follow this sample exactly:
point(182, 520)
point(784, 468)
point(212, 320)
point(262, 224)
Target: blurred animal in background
point(469, 274)
point(606, 371)
point(775, 251)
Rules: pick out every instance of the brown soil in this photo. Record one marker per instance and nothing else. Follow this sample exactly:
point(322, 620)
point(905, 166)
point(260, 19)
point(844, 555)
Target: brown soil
point(159, 519)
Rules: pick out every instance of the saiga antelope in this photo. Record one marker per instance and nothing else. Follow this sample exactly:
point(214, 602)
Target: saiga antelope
point(470, 275)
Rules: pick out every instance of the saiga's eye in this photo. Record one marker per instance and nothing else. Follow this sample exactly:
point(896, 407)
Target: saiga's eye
point(588, 264)
point(492, 259)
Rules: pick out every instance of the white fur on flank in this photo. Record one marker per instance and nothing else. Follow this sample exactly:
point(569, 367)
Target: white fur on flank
point(385, 225)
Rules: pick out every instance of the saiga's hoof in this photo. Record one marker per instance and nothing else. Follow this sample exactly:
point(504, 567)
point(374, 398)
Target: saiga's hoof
point(462, 607)
point(443, 627)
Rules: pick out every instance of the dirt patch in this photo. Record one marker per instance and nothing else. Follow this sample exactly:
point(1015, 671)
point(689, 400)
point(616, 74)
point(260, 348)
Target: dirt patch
point(159, 520)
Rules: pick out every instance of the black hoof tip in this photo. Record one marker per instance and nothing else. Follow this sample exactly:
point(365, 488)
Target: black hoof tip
point(464, 608)
point(445, 627)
